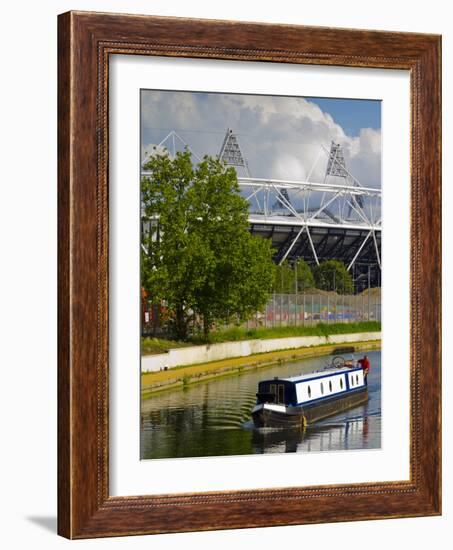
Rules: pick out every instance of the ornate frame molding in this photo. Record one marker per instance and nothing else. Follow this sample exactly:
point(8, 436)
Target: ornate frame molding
point(86, 40)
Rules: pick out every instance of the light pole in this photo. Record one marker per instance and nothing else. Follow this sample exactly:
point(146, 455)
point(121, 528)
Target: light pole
point(335, 293)
point(281, 296)
point(295, 292)
point(303, 313)
point(369, 293)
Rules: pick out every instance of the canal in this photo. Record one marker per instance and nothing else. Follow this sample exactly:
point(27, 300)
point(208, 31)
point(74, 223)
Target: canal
point(213, 418)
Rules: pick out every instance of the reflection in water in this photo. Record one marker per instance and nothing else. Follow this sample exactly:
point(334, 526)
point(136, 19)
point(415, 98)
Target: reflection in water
point(213, 419)
point(350, 434)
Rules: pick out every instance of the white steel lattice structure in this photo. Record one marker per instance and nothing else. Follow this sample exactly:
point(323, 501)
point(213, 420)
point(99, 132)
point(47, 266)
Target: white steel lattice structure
point(337, 218)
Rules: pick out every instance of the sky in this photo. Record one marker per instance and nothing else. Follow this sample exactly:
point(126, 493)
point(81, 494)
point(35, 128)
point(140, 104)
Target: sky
point(351, 114)
point(281, 137)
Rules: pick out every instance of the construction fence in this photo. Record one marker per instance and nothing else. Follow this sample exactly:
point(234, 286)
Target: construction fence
point(285, 310)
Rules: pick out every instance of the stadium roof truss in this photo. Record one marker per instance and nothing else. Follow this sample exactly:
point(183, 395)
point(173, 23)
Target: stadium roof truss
point(337, 217)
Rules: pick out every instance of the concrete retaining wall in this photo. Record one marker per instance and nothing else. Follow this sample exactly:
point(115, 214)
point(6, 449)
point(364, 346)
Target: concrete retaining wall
point(216, 352)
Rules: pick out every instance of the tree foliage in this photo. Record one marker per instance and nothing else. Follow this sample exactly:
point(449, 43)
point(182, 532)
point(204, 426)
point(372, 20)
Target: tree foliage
point(198, 255)
point(284, 280)
point(333, 275)
point(289, 278)
point(304, 275)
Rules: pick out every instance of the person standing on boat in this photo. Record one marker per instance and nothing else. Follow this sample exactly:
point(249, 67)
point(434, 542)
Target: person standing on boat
point(365, 364)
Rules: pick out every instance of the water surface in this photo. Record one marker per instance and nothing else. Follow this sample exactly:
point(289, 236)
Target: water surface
point(213, 418)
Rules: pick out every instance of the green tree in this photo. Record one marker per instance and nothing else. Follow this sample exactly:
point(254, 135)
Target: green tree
point(333, 275)
point(288, 277)
point(284, 279)
point(198, 254)
point(303, 275)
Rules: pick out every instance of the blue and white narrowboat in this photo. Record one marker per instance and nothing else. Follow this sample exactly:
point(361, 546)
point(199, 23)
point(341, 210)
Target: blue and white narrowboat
point(301, 400)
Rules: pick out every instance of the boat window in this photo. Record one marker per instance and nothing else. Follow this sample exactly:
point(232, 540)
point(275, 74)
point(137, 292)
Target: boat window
point(281, 393)
point(330, 385)
point(341, 383)
point(352, 380)
point(309, 391)
point(357, 378)
point(322, 388)
point(273, 389)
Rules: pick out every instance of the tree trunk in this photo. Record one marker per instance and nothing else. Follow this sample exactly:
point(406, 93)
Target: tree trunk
point(206, 327)
point(180, 323)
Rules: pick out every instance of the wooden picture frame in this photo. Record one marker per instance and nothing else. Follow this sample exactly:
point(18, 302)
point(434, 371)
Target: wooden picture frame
point(85, 41)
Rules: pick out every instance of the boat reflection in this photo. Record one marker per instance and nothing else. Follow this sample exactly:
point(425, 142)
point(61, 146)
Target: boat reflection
point(347, 433)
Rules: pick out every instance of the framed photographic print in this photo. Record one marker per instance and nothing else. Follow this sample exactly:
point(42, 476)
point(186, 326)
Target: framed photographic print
point(249, 275)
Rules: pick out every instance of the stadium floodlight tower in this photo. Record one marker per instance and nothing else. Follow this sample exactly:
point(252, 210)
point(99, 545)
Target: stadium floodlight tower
point(231, 154)
point(335, 217)
point(336, 167)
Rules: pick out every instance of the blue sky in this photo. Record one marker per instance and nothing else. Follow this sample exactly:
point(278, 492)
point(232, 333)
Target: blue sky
point(351, 114)
point(281, 137)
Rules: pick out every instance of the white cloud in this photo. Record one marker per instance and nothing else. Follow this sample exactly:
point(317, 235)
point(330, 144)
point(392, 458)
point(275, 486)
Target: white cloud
point(281, 137)
point(364, 157)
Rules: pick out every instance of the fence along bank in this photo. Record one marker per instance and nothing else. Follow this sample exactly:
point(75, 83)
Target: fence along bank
point(283, 310)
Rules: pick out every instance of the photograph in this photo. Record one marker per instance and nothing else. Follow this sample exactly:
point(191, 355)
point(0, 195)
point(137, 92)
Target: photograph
point(260, 274)
point(200, 347)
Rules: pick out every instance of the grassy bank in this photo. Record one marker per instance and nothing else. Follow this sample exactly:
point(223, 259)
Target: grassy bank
point(182, 376)
point(152, 346)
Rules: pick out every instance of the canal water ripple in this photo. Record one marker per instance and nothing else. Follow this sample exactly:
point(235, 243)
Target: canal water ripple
point(213, 418)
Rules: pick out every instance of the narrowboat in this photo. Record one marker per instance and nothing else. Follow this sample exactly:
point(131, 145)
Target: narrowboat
point(301, 400)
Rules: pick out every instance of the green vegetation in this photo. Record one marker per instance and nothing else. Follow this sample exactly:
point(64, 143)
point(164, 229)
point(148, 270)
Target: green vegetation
point(289, 278)
point(321, 329)
point(198, 256)
point(333, 275)
point(155, 345)
point(152, 346)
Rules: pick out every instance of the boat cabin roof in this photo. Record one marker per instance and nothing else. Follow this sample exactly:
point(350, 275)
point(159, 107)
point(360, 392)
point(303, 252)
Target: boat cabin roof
point(323, 373)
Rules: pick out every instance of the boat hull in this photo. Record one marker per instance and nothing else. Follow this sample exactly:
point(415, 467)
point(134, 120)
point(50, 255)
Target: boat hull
point(278, 416)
